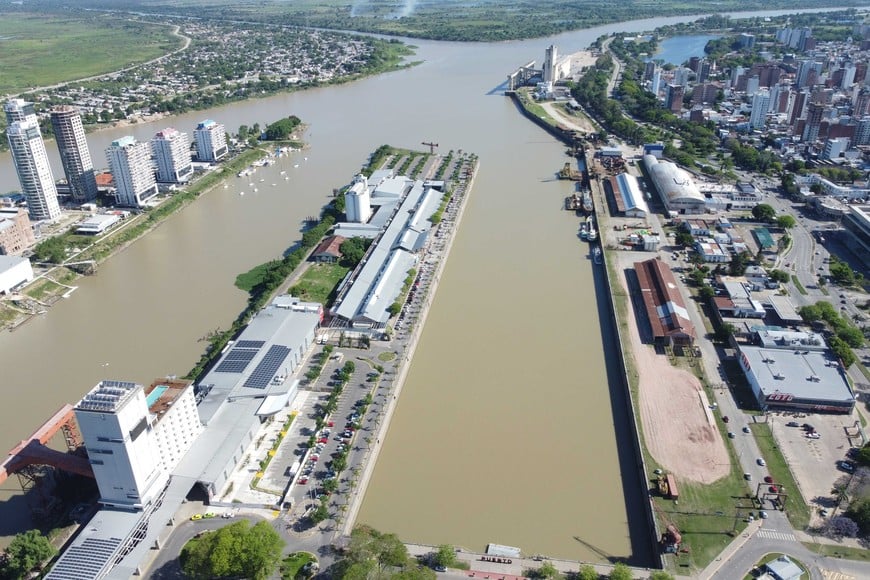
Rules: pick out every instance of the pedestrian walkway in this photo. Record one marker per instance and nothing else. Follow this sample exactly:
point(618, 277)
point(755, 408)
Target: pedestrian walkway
point(774, 535)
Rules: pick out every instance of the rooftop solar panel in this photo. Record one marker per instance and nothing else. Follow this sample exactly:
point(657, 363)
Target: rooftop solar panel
point(250, 343)
point(241, 354)
point(232, 366)
point(265, 371)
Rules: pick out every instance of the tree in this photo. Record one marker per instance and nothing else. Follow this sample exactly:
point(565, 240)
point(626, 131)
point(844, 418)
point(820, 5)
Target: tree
point(282, 128)
point(25, 552)
point(353, 250)
point(547, 570)
point(587, 572)
point(684, 238)
point(764, 212)
point(235, 550)
point(842, 526)
point(445, 556)
point(863, 457)
point(786, 221)
point(321, 513)
point(738, 264)
point(661, 575)
point(706, 292)
point(859, 512)
point(621, 572)
point(778, 276)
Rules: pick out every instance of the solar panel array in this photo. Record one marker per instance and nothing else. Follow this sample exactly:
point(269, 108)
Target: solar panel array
point(86, 561)
point(250, 343)
point(265, 371)
point(236, 361)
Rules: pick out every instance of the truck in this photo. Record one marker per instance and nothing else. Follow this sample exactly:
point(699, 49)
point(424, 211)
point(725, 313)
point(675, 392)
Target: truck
point(294, 469)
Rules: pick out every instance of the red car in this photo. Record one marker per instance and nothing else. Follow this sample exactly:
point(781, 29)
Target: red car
point(768, 479)
point(323, 440)
point(331, 424)
point(725, 419)
point(303, 480)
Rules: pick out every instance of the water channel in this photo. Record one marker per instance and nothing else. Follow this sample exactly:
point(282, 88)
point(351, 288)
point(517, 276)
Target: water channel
point(504, 432)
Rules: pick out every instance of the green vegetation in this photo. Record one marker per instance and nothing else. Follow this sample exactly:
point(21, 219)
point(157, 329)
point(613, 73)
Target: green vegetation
point(292, 566)
point(41, 289)
point(843, 274)
point(236, 550)
point(372, 554)
point(27, 551)
point(837, 551)
point(376, 160)
point(846, 335)
point(798, 285)
point(460, 19)
point(319, 282)
point(353, 250)
point(45, 49)
point(764, 212)
point(282, 128)
point(796, 508)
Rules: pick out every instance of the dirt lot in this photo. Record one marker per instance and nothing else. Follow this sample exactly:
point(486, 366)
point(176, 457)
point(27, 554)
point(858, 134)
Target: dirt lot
point(678, 428)
point(813, 461)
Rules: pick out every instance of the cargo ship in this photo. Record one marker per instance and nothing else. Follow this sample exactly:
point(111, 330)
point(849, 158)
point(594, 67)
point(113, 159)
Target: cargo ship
point(587, 201)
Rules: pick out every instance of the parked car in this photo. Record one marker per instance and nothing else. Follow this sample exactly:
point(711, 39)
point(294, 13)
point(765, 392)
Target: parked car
point(725, 419)
point(813, 435)
point(762, 515)
point(792, 424)
point(761, 462)
point(846, 466)
point(746, 428)
point(768, 479)
point(731, 435)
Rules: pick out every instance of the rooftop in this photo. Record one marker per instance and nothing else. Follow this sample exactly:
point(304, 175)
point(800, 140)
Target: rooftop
point(802, 374)
point(107, 396)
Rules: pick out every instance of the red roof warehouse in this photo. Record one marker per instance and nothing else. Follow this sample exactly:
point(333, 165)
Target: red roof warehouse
point(664, 304)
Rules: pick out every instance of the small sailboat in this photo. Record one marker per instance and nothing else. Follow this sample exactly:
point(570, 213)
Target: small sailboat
point(305, 159)
point(297, 165)
point(241, 193)
point(283, 172)
point(286, 179)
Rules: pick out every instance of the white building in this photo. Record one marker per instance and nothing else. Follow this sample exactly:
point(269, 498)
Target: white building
point(211, 141)
point(760, 106)
point(835, 147)
point(174, 418)
point(357, 201)
point(132, 171)
point(675, 186)
point(18, 110)
point(122, 447)
point(69, 134)
point(34, 171)
point(172, 155)
point(14, 270)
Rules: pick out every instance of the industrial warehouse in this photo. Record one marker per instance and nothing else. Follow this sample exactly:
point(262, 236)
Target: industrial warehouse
point(400, 228)
point(663, 303)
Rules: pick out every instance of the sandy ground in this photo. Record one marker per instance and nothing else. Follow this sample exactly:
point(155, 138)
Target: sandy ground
point(678, 428)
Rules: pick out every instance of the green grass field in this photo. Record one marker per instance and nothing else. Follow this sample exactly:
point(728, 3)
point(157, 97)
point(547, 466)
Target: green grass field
point(797, 510)
point(318, 282)
point(38, 50)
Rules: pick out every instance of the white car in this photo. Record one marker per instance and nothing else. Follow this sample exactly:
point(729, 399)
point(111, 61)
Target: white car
point(761, 462)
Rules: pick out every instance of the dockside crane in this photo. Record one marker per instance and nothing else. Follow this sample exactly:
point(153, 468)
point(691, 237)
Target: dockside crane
point(431, 146)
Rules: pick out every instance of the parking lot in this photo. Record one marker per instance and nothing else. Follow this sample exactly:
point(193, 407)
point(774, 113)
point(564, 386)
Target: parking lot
point(814, 461)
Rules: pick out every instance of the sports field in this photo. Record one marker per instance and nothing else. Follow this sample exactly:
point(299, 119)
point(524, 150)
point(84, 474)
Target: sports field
point(38, 50)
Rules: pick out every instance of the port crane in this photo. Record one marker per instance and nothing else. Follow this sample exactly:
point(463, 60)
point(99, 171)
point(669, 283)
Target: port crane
point(431, 146)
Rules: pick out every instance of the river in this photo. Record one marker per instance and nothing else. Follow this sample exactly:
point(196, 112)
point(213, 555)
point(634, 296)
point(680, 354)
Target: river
point(505, 431)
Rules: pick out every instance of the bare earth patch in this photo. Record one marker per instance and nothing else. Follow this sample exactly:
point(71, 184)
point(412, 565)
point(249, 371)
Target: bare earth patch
point(678, 428)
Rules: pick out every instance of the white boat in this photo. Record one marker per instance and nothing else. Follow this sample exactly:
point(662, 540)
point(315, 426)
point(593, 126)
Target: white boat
point(596, 255)
point(305, 159)
point(286, 179)
point(274, 184)
point(262, 180)
point(591, 234)
point(241, 193)
point(583, 230)
point(226, 185)
point(256, 190)
point(283, 172)
point(297, 165)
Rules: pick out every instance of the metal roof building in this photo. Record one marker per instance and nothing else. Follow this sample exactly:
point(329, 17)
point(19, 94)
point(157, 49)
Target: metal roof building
point(628, 195)
point(372, 288)
point(796, 379)
point(664, 304)
point(675, 186)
